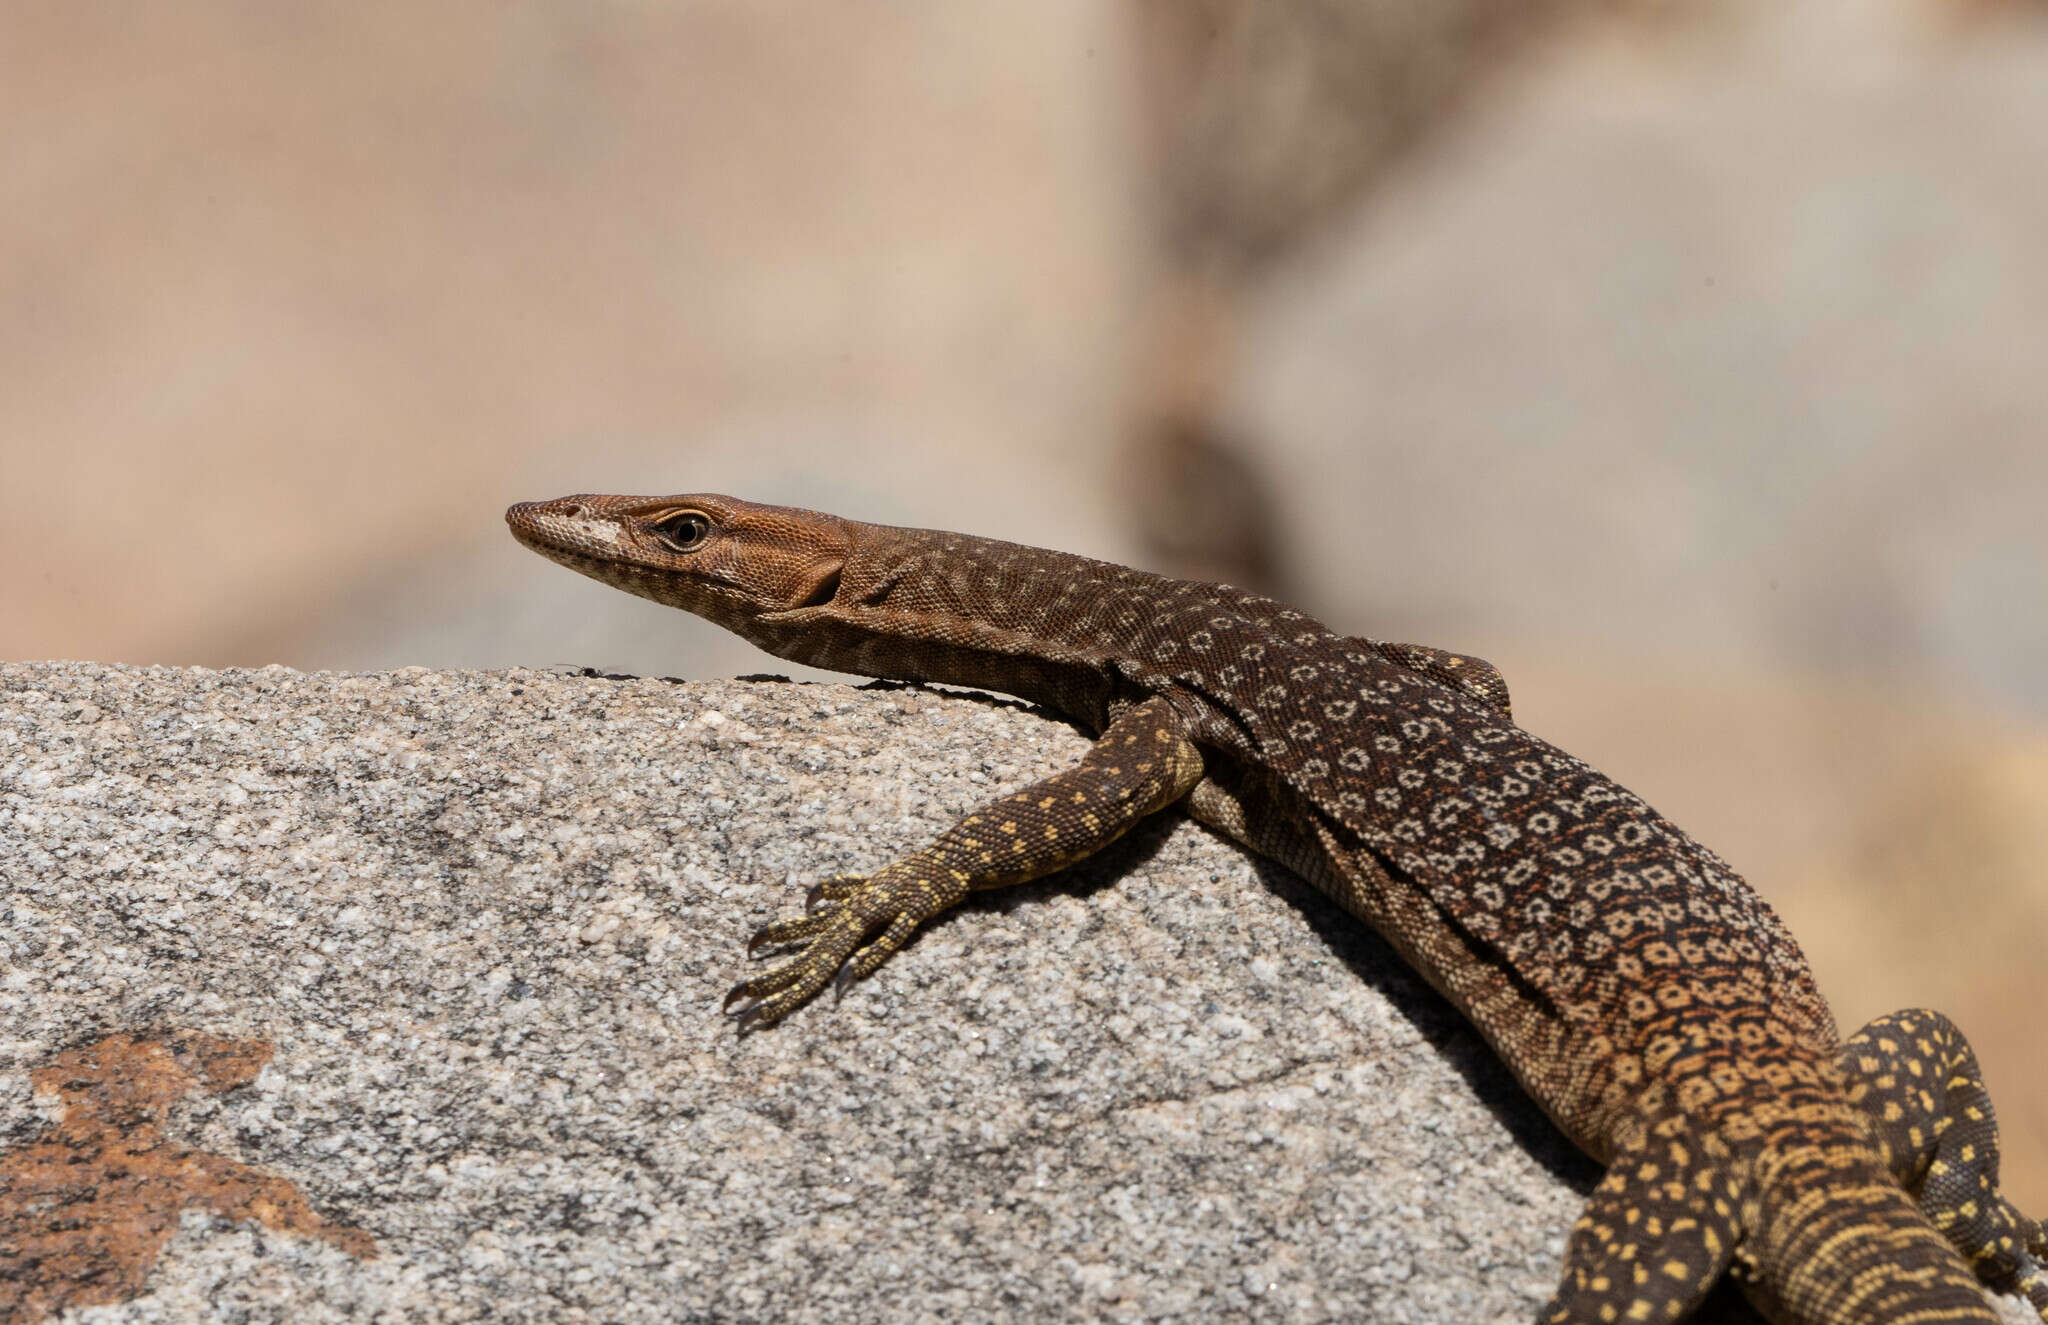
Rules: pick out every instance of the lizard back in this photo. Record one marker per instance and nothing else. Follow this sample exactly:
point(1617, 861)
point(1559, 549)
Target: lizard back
point(1596, 902)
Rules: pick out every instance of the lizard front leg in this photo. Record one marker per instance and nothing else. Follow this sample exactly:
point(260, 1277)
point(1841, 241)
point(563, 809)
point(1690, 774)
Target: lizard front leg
point(1143, 762)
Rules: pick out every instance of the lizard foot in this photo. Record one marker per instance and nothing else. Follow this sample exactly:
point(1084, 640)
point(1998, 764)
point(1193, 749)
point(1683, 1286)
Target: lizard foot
point(835, 937)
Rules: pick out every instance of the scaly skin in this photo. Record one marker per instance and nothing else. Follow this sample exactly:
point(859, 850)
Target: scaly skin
point(1638, 988)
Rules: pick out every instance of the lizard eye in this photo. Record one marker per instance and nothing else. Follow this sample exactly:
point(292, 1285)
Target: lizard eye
point(683, 532)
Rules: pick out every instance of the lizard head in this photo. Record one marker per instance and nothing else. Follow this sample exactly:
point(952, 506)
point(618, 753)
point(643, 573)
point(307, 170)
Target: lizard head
point(723, 559)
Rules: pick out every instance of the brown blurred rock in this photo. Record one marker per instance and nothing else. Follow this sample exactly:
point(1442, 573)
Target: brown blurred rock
point(1263, 122)
point(1267, 118)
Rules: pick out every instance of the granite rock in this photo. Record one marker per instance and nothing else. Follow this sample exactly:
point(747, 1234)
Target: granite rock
point(459, 939)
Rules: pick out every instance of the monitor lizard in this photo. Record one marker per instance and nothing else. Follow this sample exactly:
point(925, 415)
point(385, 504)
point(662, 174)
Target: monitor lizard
point(1652, 1002)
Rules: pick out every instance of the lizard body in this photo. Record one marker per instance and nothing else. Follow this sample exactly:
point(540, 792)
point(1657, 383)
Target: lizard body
point(1649, 1000)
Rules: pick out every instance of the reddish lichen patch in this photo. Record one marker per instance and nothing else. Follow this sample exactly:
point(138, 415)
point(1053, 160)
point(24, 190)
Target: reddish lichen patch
point(85, 1209)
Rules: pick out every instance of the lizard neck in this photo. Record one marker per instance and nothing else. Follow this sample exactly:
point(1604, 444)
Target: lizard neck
point(926, 605)
point(889, 645)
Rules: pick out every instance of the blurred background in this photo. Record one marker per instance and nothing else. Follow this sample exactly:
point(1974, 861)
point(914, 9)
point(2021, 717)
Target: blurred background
point(1689, 361)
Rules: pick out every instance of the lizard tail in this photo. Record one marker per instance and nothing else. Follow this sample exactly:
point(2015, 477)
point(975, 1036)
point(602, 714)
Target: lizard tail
point(1843, 1250)
point(1811, 1224)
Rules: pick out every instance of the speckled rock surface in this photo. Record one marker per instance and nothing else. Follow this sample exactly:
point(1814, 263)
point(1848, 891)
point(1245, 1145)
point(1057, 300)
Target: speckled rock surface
point(474, 928)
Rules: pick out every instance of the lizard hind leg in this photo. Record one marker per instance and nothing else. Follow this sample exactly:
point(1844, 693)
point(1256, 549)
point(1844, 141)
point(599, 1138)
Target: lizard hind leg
point(1655, 1236)
point(1914, 1076)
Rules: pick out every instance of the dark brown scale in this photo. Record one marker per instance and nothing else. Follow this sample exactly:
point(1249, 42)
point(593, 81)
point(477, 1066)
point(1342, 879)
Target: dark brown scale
point(1640, 990)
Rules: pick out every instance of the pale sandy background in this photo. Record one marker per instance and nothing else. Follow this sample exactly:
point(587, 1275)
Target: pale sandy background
point(1689, 362)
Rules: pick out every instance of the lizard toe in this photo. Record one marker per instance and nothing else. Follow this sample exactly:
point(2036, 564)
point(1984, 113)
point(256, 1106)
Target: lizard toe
point(761, 1007)
point(830, 891)
point(794, 930)
point(864, 962)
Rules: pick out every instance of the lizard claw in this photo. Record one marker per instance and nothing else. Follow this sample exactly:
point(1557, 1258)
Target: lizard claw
point(751, 1014)
point(832, 890)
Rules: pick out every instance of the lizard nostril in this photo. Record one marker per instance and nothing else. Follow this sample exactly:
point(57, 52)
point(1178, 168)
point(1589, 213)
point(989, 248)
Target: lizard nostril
point(574, 510)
